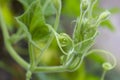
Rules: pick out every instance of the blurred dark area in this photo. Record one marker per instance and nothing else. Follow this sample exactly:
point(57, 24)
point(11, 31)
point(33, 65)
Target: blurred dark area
point(9, 69)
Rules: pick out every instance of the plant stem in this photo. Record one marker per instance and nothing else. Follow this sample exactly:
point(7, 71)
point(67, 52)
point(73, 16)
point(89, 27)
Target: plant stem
point(50, 69)
point(103, 75)
point(28, 75)
point(9, 47)
point(32, 57)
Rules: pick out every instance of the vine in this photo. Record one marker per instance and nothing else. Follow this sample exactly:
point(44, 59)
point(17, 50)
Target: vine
point(33, 26)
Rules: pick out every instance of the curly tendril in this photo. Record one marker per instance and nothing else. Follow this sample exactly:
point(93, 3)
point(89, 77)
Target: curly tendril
point(74, 49)
point(106, 65)
point(65, 43)
point(64, 39)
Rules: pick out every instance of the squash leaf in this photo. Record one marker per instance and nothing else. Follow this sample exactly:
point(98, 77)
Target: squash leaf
point(34, 20)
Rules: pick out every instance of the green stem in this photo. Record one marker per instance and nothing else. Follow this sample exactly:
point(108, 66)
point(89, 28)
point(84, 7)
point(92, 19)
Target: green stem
point(9, 47)
point(50, 69)
point(91, 9)
point(15, 38)
point(79, 62)
point(57, 20)
point(32, 57)
point(58, 12)
point(28, 75)
point(103, 75)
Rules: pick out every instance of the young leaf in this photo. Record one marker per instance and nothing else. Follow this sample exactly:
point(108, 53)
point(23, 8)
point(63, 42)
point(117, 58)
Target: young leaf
point(108, 24)
point(34, 20)
point(86, 44)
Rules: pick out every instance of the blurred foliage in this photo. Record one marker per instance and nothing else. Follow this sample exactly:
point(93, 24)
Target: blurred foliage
point(5, 10)
point(90, 69)
point(71, 9)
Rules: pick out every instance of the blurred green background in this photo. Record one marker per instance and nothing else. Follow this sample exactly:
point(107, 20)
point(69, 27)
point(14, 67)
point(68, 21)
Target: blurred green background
point(90, 69)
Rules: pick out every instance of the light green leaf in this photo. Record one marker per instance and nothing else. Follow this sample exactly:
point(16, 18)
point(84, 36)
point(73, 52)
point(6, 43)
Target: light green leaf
point(115, 10)
point(108, 24)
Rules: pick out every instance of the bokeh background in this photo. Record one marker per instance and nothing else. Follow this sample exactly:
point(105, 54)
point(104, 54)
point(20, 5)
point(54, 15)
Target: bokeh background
point(91, 68)
point(111, 40)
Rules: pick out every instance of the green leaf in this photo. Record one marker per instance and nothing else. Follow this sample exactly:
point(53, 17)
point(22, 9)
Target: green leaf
point(50, 10)
point(108, 24)
point(86, 44)
point(85, 35)
point(115, 10)
point(34, 20)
